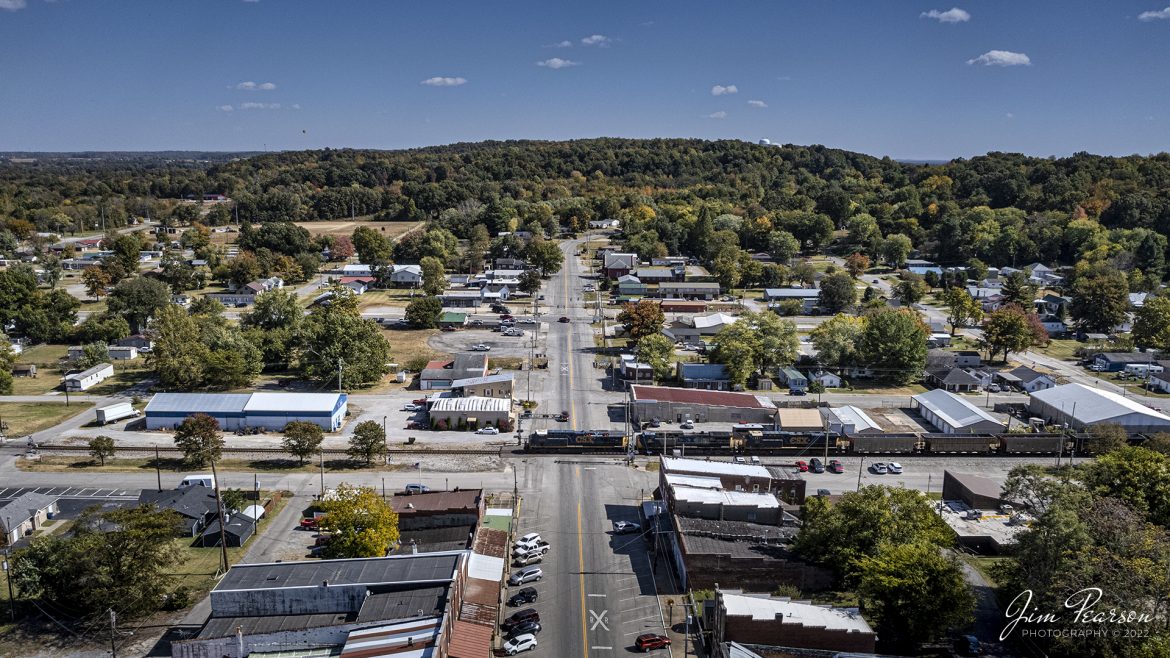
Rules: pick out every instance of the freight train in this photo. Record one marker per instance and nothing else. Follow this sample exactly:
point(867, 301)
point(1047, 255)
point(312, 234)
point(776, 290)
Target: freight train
point(755, 440)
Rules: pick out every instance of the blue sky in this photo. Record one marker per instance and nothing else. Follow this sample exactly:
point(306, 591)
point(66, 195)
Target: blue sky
point(886, 78)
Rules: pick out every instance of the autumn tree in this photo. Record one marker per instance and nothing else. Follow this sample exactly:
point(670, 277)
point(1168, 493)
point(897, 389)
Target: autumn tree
point(856, 264)
point(642, 319)
point(360, 523)
point(96, 280)
point(1011, 329)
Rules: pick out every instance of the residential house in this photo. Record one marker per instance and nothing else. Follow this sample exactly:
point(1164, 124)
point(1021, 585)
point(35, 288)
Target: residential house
point(1028, 380)
point(1116, 361)
point(955, 380)
point(24, 514)
point(510, 264)
point(615, 265)
point(633, 371)
point(1053, 325)
point(442, 373)
point(605, 224)
point(793, 379)
point(660, 274)
point(358, 284)
point(1051, 304)
point(356, 269)
point(631, 286)
point(1160, 381)
point(688, 290)
point(195, 506)
point(1138, 299)
point(137, 341)
point(247, 293)
point(706, 376)
point(809, 297)
point(122, 352)
point(989, 298)
point(83, 381)
point(968, 359)
point(694, 328)
point(921, 267)
point(826, 379)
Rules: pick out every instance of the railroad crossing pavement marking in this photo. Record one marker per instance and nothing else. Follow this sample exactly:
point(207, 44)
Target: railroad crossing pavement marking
point(598, 620)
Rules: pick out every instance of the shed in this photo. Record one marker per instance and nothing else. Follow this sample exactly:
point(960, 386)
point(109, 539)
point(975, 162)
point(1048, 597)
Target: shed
point(24, 370)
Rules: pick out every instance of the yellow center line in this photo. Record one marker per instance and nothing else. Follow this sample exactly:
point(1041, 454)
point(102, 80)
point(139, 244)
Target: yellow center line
point(581, 574)
point(569, 357)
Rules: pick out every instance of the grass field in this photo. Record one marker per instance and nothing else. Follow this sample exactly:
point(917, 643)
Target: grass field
point(396, 297)
point(27, 417)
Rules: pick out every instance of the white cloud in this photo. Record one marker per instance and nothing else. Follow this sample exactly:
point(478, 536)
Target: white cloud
point(439, 81)
point(225, 108)
point(558, 63)
point(1159, 15)
point(1010, 115)
point(13, 5)
point(259, 106)
point(561, 44)
point(717, 115)
point(757, 104)
point(1001, 58)
point(953, 15)
point(597, 40)
point(720, 90)
point(296, 106)
point(248, 85)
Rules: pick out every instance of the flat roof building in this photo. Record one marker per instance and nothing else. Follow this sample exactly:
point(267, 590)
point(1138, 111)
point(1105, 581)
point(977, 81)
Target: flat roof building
point(1081, 406)
point(268, 411)
point(678, 404)
point(471, 412)
point(780, 621)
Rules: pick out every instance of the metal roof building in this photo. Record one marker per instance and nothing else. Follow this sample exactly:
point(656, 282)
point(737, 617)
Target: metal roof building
point(951, 414)
point(269, 411)
point(1080, 406)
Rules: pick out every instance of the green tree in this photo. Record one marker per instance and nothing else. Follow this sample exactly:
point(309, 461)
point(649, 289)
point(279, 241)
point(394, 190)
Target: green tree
point(837, 339)
point(91, 355)
point(727, 268)
point(199, 439)
point(434, 276)
point(1017, 290)
point(179, 355)
point(783, 246)
point(1100, 300)
point(101, 328)
point(360, 523)
point(101, 447)
point(642, 319)
point(962, 309)
point(368, 441)
point(545, 256)
point(120, 559)
point(139, 299)
point(910, 288)
point(336, 337)
point(96, 280)
point(894, 345)
point(1136, 476)
point(840, 535)
point(7, 358)
point(757, 342)
point(914, 593)
point(478, 243)
point(837, 292)
point(530, 282)
point(1010, 329)
point(1151, 324)
point(896, 249)
point(274, 325)
point(372, 247)
point(302, 439)
point(424, 312)
point(657, 351)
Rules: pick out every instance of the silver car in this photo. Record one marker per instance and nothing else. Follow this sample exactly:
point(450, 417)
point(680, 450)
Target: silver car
point(526, 575)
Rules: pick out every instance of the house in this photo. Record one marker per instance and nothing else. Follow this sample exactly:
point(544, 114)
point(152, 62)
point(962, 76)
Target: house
point(24, 514)
point(679, 404)
point(631, 370)
point(939, 339)
point(1051, 304)
point(792, 378)
point(83, 381)
point(194, 505)
point(809, 297)
point(605, 224)
point(1079, 406)
point(1028, 380)
point(706, 376)
point(968, 359)
point(1053, 325)
point(401, 605)
point(1137, 299)
point(122, 353)
point(24, 370)
point(440, 374)
point(688, 290)
point(247, 293)
point(850, 420)
point(240, 527)
point(951, 414)
point(989, 298)
point(826, 379)
point(518, 264)
point(452, 319)
point(269, 411)
point(1158, 381)
point(955, 380)
point(358, 284)
point(615, 265)
point(660, 274)
point(781, 622)
point(694, 328)
point(75, 352)
point(629, 285)
point(921, 267)
point(1116, 361)
point(137, 341)
point(490, 386)
point(355, 269)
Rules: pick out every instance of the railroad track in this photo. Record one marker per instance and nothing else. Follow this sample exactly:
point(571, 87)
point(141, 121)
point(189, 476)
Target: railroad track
point(47, 447)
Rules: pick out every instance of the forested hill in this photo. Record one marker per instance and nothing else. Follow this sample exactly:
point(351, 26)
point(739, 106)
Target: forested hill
point(997, 207)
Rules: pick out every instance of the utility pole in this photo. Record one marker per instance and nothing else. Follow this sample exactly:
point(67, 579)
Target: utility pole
point(8, 577)
point(321, 452)
point(222, 519)
point(340, 366)
point(113, 624)
point(157, 468)
point(860, 464)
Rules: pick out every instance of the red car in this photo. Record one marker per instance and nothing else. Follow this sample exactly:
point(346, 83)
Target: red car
point(506, 317)
point(309, 524)
point(802, 466)
point(651, 641)
point(835, 466)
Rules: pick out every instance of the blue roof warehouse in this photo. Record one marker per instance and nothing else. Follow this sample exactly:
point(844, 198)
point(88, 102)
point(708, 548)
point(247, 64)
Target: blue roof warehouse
point(269, 411)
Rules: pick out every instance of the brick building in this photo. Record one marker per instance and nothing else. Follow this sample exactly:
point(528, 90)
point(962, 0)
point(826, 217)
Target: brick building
point(781, 622)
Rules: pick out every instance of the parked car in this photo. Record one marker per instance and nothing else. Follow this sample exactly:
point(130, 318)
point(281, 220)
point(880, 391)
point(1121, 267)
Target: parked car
point(894, 468)
point(526, 642)
point(649, 641)
point(487, 430)
point(412, 489)
point(527, 320)
point(481, 348)
point(524, 628)
point(521, 617)
point(754, 460)
point(740, 460)
point(654, 422)
point(816, 465)
point(528, 559)
point(506, 317)
point(523, 597)
point(410, 406)
point(415, 425)
point(835, 466)
point(801, 466)
point(824, 493)
point(526, 575)
point(563, 319)
point(529, 551)
point(528, 538)
point(687, 425)
point(625, 527)
point(309, 524)
point(879, 468)
point(797, 391)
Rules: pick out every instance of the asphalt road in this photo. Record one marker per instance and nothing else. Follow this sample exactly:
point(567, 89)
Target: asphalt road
point(598, 592)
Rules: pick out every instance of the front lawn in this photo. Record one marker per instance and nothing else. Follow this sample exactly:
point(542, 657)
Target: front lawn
point(22, 418)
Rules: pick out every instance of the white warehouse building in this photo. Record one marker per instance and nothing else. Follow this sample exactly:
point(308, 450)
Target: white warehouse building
point(1081, 406)
point(951, 414)
point(268, 411)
